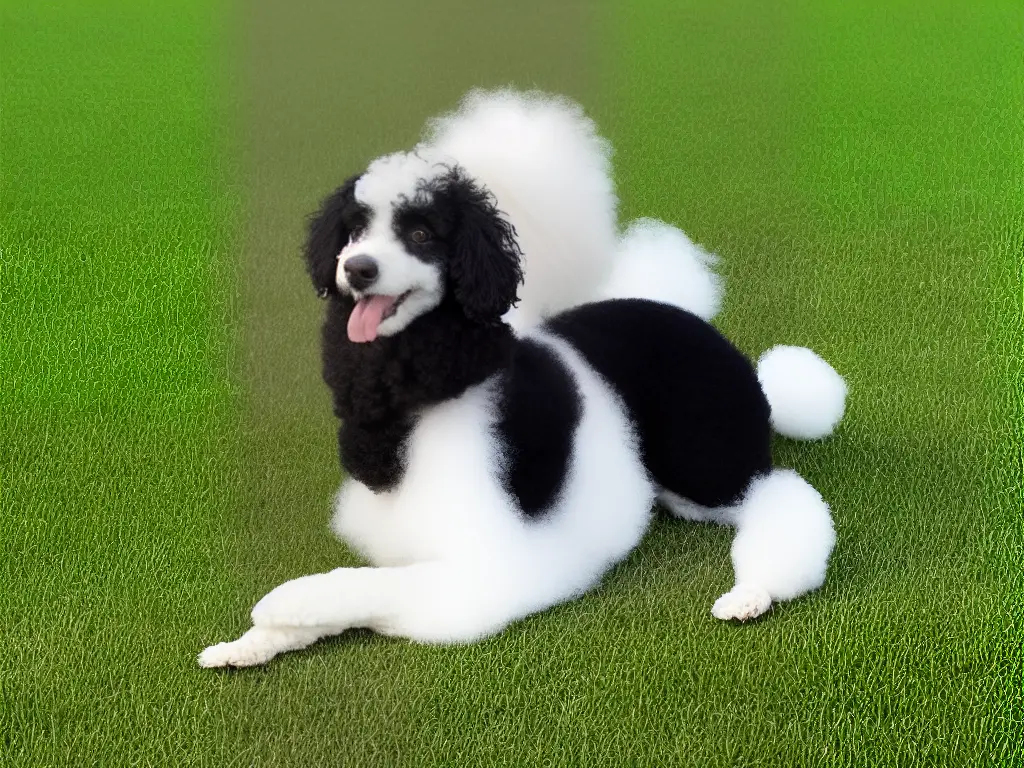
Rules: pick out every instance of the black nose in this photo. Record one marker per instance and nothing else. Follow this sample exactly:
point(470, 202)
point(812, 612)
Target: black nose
point(361, 272)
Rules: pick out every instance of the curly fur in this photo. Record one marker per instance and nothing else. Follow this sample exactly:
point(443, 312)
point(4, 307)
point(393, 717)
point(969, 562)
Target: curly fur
point(549, 169)
point(545, 166)
point(492, 476)
point(378, 388)
point(328, 231)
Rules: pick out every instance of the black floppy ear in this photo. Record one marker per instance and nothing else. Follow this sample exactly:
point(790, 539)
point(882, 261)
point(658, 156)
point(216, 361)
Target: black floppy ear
point(327, 236)
point(484, 269)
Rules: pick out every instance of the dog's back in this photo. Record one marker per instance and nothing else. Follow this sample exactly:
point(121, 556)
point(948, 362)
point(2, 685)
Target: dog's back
point(700, 414)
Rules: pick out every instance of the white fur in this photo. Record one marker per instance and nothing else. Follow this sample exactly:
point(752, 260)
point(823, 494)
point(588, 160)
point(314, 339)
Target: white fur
point(394, 176)
point(806, 395)
point(685, 509)
point(456, 561)
point(783, 542)
point(659, 262)
point(550, 173)
point(388, 180)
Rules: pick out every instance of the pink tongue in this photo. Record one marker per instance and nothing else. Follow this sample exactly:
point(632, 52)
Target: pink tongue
point(366, 317)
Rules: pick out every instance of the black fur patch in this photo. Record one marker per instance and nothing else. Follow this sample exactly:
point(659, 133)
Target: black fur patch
point(483, 259)
point(329, 230)
point(380, 387)
point(540, 411)
point(694, 399)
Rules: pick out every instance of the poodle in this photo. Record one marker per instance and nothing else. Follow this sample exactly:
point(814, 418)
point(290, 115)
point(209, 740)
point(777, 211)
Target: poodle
point(492, 473)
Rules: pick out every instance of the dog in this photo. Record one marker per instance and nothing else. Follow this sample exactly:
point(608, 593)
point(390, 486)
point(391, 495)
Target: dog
point(493, 474)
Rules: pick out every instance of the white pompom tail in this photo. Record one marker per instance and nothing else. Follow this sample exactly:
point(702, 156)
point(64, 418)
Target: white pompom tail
point(657, 261)
point(806, 395)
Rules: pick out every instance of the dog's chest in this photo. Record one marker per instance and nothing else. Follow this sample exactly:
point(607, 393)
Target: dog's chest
point(450, 501)
point(385, 529)
point(375, 456)
point(381, 390)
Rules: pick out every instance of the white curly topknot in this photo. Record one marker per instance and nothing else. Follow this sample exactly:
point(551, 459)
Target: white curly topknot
point(806, 395)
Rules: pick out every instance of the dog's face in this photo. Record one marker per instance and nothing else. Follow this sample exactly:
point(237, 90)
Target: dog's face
point(405, 235)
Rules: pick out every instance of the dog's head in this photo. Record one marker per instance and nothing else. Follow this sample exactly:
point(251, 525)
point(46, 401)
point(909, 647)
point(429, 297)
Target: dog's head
point(406, 235)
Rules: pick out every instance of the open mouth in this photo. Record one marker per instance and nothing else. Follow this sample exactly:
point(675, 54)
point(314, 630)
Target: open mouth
point(369, 312)
point(390, 311)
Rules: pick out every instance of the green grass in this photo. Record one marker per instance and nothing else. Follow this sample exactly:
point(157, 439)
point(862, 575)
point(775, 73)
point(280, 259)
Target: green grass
point(167, 449)
point(860, 170)
point(115, 401)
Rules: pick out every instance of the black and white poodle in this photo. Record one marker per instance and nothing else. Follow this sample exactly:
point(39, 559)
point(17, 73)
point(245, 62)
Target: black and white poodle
point(492, 475)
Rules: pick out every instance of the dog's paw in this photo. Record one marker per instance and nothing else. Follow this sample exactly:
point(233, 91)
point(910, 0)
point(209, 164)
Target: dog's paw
point(257, 646)
point(243, 652)
point(302, 602)
point(741, 603)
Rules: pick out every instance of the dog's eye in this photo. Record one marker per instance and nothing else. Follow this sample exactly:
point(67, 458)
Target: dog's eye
point(419, 236)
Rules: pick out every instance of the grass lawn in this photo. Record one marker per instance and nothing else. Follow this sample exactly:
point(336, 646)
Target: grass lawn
point(167, 449)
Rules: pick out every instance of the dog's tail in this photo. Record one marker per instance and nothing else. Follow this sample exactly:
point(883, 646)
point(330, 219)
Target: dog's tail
point(659, 262)
point(806, 395)
point(550, 172)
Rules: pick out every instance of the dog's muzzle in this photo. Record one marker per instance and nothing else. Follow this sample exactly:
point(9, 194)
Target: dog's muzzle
point(361, 272)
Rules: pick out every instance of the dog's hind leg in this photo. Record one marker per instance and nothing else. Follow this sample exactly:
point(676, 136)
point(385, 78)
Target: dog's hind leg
point(783, 541)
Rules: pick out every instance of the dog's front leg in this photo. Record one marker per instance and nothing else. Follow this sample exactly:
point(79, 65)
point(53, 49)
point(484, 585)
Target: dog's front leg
point(258, 646)
point(433, 602)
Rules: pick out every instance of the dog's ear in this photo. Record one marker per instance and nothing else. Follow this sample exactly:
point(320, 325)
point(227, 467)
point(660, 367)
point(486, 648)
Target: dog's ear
point(484, 268)
point(327, 236)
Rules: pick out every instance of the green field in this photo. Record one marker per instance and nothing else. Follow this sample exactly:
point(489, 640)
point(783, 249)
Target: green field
point(167, 448)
